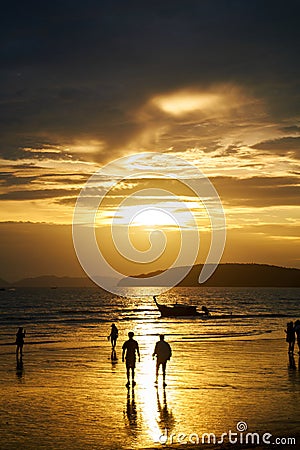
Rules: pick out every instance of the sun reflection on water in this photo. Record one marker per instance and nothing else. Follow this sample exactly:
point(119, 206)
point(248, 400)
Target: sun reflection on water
point(147, 397)
point(154, 414)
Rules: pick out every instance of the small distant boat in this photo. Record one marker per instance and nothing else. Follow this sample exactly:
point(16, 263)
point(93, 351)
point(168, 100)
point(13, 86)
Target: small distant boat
point(184, 310)
point(180, 310)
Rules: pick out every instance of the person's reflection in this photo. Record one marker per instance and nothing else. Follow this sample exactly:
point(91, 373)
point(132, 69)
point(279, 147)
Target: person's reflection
point(166, 419)
point(293, 374)
point(131, 413)
point(19, 369)
point(292, 364)
point(114, 360)
point(114, 355)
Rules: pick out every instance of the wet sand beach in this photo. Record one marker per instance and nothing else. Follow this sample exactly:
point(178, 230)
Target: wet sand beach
point(68, 396)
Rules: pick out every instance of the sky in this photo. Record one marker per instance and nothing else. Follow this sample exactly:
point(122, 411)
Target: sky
point(84, 83)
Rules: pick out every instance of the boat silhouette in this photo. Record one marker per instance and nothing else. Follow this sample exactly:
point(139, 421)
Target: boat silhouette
point(185, 310)
point(180, 310)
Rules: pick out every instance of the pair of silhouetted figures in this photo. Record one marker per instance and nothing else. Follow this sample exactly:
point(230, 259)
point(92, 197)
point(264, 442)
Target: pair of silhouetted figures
point(292, 332)
point(130, 350)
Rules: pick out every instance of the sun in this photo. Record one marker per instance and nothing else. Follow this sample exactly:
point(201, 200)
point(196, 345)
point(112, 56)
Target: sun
point(153, 217)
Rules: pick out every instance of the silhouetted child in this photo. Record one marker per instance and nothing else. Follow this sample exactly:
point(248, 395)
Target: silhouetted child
point(130, 348)
point(297, 331)
point(290, 336)
point(113, 336)
point(20, 342)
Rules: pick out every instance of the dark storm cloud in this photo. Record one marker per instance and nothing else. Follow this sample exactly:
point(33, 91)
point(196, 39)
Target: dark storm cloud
point(260, 192)
point(37, 194)
point(10, 179)
point(14, 176)
point(281, 146)
point(293, 129)
point(78, 70)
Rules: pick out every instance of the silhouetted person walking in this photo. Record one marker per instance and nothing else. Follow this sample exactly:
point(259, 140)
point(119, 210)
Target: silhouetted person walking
point(163, 353)
point(129, 350)
point(113, 336)
point(20, 342)
point(290, 336)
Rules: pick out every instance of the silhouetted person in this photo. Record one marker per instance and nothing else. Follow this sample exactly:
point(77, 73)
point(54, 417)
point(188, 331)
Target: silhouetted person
point(20, 342)
point(205, 311)
point(290, 336)
point(297, 331)
point(163, 353)
point(113, 336)
point(129, 350)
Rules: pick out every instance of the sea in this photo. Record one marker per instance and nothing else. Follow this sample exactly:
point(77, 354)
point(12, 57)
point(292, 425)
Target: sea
point(231, 371)
point(67, 314)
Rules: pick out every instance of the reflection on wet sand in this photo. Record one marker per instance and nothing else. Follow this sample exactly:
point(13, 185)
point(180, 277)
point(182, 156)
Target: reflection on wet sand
point(292, 364)
point(153, 418)
point(113, 356)
point(166, 419)
point(131, 419)
point(293, 373)
point(20, 369)
point(114, 360)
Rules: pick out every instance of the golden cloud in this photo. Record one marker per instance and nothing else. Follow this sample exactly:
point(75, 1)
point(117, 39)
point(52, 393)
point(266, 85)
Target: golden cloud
point(219, 99)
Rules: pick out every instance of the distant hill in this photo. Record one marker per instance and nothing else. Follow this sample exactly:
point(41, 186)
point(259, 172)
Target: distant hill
point(226, 275)
point(54, 281)
point(234, 275)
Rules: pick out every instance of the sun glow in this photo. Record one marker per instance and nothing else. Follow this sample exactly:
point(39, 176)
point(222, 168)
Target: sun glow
point(153, 217)
point(185, 102)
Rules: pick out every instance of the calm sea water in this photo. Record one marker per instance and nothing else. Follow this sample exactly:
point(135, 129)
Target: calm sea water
point(65, 313)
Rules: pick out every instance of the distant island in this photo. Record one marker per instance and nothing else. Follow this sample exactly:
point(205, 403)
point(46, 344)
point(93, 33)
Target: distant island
point(50, 281)
point(226, 275)
point(235, 275)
